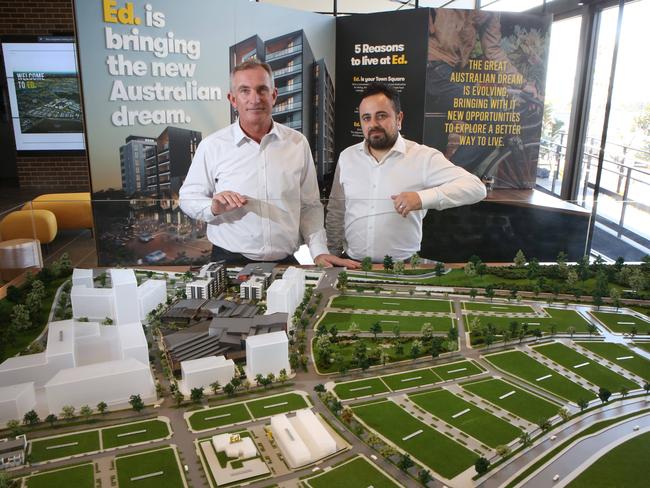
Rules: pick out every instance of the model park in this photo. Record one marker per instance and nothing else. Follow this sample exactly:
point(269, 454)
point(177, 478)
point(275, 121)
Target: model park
point(416, 374)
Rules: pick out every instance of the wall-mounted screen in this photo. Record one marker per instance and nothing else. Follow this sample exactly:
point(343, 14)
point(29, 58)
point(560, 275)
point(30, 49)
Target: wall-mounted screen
point(43, 89)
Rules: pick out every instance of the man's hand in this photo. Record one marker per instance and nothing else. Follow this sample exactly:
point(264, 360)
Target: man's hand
point(329, 260)
point(227, 201)
point(406, 201)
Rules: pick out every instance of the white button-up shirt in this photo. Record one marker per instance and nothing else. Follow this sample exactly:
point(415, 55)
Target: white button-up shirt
point(278, 178)
point(361, 217)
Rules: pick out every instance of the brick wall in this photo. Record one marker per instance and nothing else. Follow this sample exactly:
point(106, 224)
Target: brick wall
point(44, 17)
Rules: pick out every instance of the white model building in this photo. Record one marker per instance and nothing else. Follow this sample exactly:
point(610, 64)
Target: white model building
point(216, 271)
point(201, 373)
point(302, 439)
point(16, 400)
point(297, 277)
point(87, 362)
point(112, 382)
point(285, 294)
point(267, 353)
point(205, 288)
point(234, 446)
point(123, 302)
point(252, 289)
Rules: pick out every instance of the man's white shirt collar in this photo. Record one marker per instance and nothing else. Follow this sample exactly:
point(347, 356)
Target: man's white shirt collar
point(398, 147)
point(239, 136)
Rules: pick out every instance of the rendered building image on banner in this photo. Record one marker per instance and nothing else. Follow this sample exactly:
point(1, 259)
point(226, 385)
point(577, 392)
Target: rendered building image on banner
point(155, 78)
point(481, 100)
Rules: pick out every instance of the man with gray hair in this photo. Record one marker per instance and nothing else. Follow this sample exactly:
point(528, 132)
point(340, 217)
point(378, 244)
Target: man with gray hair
point(254, 182)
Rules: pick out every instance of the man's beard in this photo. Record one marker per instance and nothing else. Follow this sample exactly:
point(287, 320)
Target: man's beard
point(383, 142)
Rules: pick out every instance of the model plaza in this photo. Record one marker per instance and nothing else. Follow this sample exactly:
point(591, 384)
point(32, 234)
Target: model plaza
point(464, 397)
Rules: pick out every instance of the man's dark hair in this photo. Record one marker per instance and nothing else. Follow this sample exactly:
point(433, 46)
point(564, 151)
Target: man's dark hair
point(377, 88)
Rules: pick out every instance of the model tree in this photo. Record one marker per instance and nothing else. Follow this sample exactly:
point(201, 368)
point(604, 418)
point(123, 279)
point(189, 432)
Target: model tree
point(375, 329)
point(31, 418)
point(86, 411)
point(136, 403)
point(481, 465)
point(604, 394)
point(102, 407)
point(366, 264)
point(489, 292)
point(415, 260)
point(67, 412)
point(51, 419)
point(398, 267)
point(196, 394)
point(388, 262)
point(520, 259)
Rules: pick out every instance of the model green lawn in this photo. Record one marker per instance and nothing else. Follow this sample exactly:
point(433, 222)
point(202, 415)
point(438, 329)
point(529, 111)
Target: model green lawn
point(357, 473)
point(460, 369)
point(161, 464)
point(134, 433)
point(64, 446)
point(581, 365)
point(81, 476)
point(621, 356)
point(625, 465)
point(522, 365)
point(343, 321)
point(513, 399)
point(497, 307)
point(437, 451)
point(410, 379)
point(623, 323)
point(562, 319)
point(355, 389)
point(469, 418)
point(391, 303)
point(266, 407)
point(213, 418)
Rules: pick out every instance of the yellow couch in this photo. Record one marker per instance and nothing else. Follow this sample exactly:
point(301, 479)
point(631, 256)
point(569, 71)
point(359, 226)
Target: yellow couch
point(72, 210)
point(29, 224)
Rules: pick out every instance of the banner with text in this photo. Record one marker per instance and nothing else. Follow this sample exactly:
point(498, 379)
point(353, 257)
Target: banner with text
point(155, 78)
point(472, 84)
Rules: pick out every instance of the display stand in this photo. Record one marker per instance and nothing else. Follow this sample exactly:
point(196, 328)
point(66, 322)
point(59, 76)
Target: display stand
point(539, 224)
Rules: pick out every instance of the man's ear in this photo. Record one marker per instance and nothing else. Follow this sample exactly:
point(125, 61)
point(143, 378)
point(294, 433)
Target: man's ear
point(232, 101)
point(400, 118)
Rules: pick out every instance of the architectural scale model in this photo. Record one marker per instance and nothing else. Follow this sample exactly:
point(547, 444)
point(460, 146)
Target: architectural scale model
point(440, 382)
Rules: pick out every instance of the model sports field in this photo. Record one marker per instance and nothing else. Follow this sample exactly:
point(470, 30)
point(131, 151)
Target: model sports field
point(465, 416)
point(497, 307)
point(622, 323)
point(355, 473)
point(134, 433)
point(523, 366)
point(410, 379)
point(625, 465)
point(437, 451)
point(81, 476)
point(343, 321)
point(360, 388)
point(392, 303)
point(589, 369)
point(563, 320)
point(212, 418)
point(513, 399)
point(64, 446)
point(274, 405)
point(151, 469)
point(460, 369)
